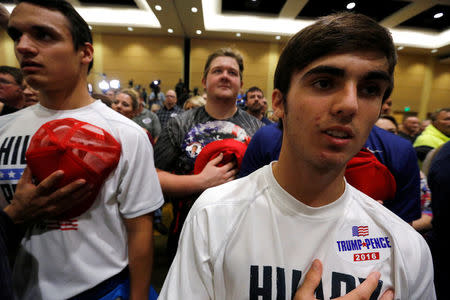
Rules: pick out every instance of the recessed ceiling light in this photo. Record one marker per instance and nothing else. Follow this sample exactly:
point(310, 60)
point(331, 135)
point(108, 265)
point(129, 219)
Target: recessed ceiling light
point(198, 31)
point(194, 9)
point(238, 34)
point(130, 29)
point(170, 30)
point(400, 48)
point(158, 7)
point(351, 5)
point(434, 50)
point(278, 37)
point(438, 15)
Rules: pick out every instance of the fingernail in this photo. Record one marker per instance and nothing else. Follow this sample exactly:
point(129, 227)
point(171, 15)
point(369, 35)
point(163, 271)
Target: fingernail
point(315, 265)
point(375, 275)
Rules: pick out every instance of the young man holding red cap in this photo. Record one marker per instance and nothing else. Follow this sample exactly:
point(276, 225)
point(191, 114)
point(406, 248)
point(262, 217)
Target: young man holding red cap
point(219, 119)
point(255, 237)
point(95, 254)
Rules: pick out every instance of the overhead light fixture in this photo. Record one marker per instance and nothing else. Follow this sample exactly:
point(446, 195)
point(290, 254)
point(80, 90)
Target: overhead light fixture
point(130, 28)
point(400, 48)
point(438, 15)
point(278, 37)
point(158, 7)
point(198, 31)
point(238, 34)
point(170, 30)
point(351, 5)
point(434, 50)
point(114, 84)
point(103, 85)
point(194, 9)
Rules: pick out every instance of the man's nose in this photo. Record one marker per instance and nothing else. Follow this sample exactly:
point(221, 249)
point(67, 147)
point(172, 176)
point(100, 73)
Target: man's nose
point(346, 102)
point(24, 45)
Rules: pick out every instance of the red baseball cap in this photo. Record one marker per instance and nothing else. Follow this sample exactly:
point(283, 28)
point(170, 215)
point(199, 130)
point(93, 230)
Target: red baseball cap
point(231, 149)
point(80, 149)
point(367, 174)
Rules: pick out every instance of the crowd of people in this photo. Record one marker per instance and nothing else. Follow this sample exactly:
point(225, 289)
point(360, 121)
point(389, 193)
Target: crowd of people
point(329, 198)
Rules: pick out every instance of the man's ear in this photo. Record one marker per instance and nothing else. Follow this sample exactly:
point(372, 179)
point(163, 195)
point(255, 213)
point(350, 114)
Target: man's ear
point(278, 103)
point(87, 53)
point(204, 82)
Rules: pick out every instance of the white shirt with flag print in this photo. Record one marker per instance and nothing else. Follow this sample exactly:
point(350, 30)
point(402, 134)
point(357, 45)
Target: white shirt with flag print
point(62, 258)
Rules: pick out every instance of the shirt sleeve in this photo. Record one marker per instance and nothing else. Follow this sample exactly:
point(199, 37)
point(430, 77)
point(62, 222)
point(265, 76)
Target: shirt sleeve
point(139, 190)
point(190, 275)
point(264, 148)
point(168, 148)
point(420, 275)
point(156, 126)
point(407, 197)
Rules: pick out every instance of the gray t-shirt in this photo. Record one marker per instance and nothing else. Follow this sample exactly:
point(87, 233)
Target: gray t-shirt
point(186, 134)
point(149, 121)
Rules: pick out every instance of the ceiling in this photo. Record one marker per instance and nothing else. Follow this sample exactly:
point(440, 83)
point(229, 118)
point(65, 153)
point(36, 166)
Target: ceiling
point(413, 23)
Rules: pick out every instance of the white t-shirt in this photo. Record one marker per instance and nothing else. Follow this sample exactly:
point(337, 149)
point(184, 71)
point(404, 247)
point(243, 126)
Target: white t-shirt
point(60, 259)
point(250, 238)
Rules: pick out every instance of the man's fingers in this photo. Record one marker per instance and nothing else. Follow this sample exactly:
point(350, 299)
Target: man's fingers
point(47, 185)
point(68, 190)
point(312, 280)
point(216, 160)
point(388, 295)
point(26, 177)
point(365, 289)
point(62, 204)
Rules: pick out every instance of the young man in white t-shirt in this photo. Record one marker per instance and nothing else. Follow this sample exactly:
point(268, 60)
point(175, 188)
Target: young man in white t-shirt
point(255, 238)
point(96, 253)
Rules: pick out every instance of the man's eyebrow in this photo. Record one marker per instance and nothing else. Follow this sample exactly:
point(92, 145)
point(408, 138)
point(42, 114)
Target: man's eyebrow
point(378, 75)
point(330, 70)
point(325, 70)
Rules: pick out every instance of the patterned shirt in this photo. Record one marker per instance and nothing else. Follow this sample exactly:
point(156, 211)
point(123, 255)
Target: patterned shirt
point(165, 114)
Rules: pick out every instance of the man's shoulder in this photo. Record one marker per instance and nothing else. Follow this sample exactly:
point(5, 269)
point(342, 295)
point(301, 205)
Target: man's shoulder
point(382, 215)
point(387, 146)
point(270, 131)
point(226, 199)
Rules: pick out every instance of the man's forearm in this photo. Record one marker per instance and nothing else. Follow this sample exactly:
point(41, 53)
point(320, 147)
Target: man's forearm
point(180, 185)
point(140, 254)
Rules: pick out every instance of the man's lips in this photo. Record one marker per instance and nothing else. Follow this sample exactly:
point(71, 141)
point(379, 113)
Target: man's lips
point(339, 132)
point(28, 65)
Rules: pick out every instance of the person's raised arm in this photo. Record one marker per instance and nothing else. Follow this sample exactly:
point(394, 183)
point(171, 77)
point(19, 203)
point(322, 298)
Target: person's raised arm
point(362, 292)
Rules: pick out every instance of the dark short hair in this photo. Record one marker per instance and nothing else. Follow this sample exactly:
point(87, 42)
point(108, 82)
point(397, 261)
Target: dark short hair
point(14, 72)
point(224, 52)
point(253, 89)
point(434, 115)
point(78, 27)
point(390, 118)
point(337, 33)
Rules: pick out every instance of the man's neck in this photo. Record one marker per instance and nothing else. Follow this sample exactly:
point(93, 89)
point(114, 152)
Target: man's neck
point(307, 184)
point(170, 107)
point(221, 109)
point(257, 115)
point(66, 99)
